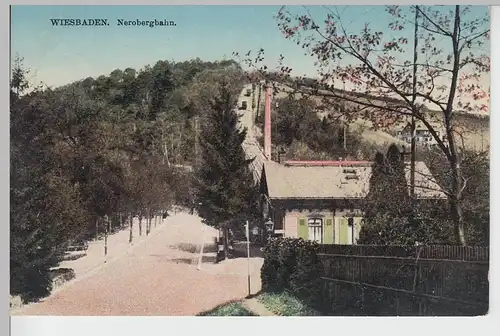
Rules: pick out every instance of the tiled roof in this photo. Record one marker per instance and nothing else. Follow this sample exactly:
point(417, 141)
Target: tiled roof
point(336, 181)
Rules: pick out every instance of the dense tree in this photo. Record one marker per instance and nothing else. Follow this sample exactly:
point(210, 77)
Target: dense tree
point(426, 221)
point(388, 216)
point(226, 194)
point(377, 187)
point(476, 206)
point(396, 176)
point(44, 203)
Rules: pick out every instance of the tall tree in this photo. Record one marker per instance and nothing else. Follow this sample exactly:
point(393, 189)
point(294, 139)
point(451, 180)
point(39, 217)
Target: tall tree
point(226, 194)
point(44, 203)
point(387, 207)
point(396, 175)
point(377, 187)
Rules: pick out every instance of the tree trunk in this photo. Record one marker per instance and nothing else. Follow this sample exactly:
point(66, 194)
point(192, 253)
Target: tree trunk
point(97, 229)
point(148, 217)
point(455, 201)
point(258, 103)
point(453, 157)
point(140, 225)
point(253, 97)
point(165, 149)
point(456, 186)
point(196, 139)
point(156, 218)
point(226, 242)
point(121, 220)
point(179, 143)
point(458, 221)
point(131, 228)
point(172, 147)
point(106, 228)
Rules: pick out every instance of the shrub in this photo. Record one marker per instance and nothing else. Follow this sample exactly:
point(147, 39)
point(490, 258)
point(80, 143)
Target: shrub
point(268, 271)
point(305, 282)
point(292, 264)
point(287, 258)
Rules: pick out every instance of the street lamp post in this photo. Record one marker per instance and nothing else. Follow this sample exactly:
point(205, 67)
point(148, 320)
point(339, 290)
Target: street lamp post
point(269, 224)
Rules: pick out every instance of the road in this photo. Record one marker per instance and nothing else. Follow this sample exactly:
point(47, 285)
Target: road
point(157, 277)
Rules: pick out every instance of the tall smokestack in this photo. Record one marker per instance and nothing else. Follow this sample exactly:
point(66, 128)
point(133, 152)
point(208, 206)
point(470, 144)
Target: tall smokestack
point(267, 124)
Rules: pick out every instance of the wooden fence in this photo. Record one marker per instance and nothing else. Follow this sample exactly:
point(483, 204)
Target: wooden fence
point(388, 280)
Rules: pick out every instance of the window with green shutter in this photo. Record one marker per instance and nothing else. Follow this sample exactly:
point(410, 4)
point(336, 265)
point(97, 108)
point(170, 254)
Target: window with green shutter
point(302, 229)
point(328, 231)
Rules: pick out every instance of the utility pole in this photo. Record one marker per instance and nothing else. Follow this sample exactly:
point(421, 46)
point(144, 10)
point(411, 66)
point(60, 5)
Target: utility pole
point(343, 124)
point(247, 229)
point(414, 109)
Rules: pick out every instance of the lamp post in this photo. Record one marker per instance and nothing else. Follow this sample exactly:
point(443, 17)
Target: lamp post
point(269, 224)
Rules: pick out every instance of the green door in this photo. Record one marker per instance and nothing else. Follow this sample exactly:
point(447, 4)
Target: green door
point(328, 231)
point(302, 229)
point(343, 231)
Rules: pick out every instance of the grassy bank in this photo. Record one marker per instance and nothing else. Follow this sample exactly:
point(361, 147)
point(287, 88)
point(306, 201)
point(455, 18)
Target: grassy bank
point(284, 304)
point(230, 309)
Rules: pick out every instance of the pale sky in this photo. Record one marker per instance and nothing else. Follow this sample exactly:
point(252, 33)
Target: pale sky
point(60, 55)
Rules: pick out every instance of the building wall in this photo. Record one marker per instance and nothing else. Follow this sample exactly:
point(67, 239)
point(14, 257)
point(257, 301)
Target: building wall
point(291, 224)
point(342, 232)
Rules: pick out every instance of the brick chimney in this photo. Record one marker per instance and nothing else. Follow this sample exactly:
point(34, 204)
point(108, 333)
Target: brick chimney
point(267, 124)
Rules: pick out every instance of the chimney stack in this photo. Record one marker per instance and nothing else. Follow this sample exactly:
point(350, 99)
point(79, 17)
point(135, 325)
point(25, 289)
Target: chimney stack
point(267, 124)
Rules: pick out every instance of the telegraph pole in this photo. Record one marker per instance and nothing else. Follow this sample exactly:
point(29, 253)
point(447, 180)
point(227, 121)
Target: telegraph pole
point(414, 109)
point(343, 123)
point(247, 229)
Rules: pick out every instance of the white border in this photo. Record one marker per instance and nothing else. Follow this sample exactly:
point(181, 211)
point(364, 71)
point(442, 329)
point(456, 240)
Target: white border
point(124, 326)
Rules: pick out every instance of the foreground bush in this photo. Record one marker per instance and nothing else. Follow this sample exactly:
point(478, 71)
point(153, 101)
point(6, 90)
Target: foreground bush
point(292, 264)
point(305, 282)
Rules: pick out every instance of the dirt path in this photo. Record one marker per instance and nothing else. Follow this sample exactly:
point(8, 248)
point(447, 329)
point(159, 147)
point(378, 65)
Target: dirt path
point(158, 277)
point(257, 308)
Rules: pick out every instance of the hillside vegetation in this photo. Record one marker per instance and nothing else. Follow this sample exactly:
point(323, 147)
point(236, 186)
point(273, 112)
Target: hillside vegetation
point(474, 128)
